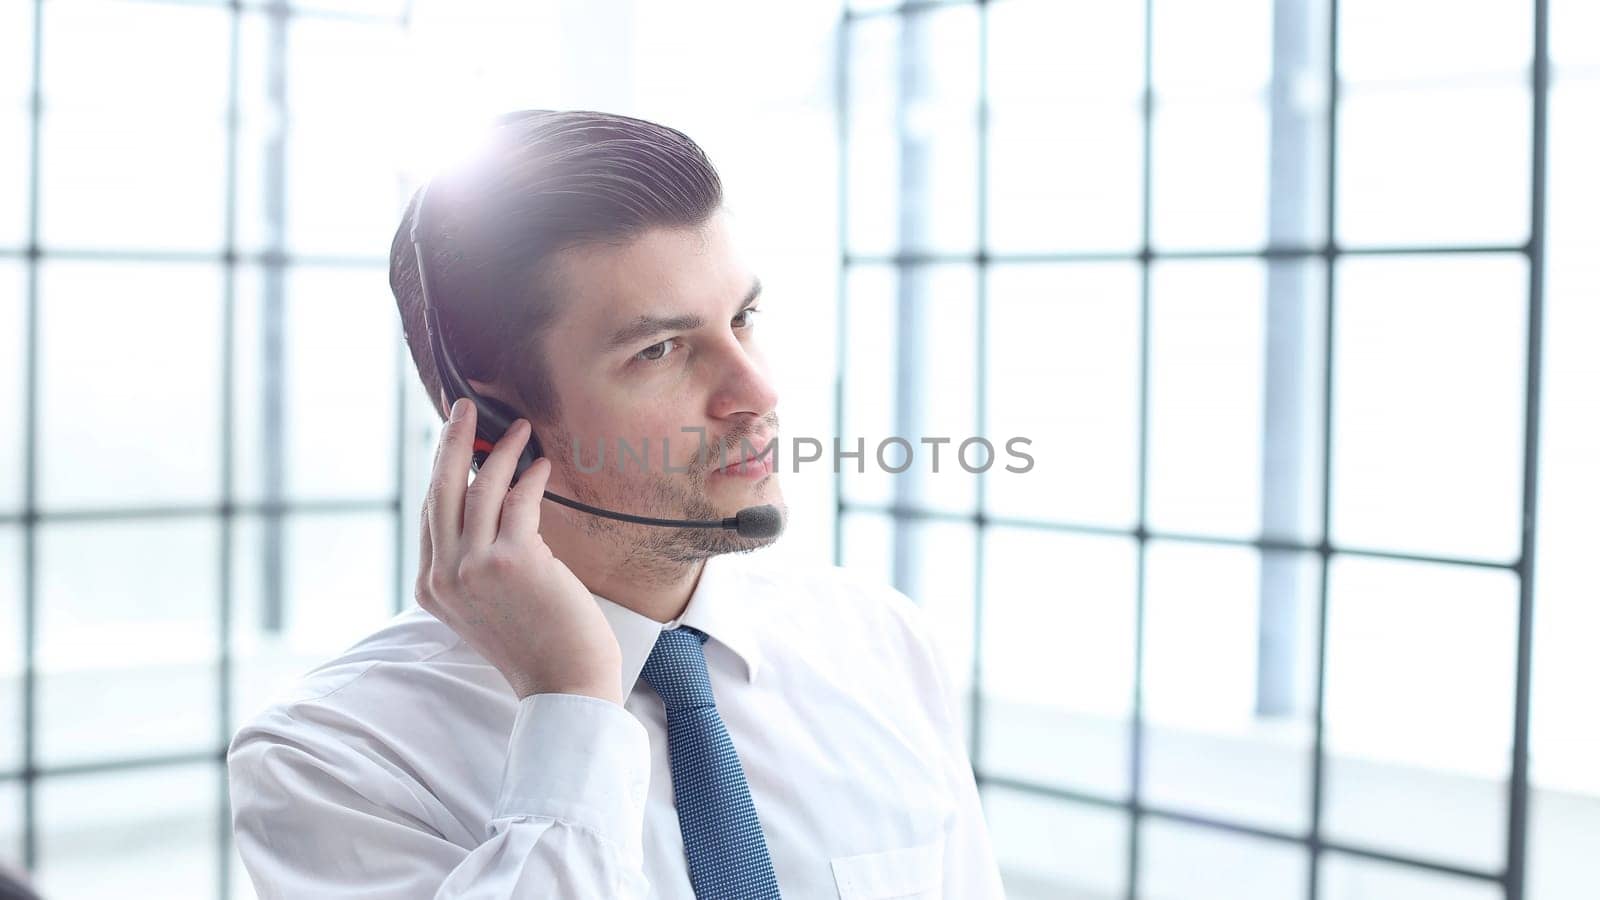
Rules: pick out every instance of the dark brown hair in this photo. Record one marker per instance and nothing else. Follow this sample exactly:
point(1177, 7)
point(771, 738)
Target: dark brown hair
point(547, 180)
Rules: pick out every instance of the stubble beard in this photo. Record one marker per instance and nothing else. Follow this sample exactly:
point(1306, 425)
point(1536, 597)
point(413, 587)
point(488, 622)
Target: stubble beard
point(645, 549)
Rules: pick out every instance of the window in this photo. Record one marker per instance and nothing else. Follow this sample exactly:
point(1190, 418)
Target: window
point(1289, 296)
point(200, 352)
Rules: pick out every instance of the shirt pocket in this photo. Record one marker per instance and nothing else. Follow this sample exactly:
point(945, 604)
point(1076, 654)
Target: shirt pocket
point(909, 872)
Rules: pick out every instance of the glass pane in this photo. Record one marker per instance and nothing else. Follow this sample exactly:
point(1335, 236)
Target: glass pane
point(249, 345)
point(878, 5)
point(345, 185)
point(128, 645)
point(15, 132)
point(389, 8)
point(1574, 33)
point(1053, 850)
point(1041, 51)
point(161, 190)
point(1200, 638)
point(1064, 177)
point(909, 340)
point(1433, 166)
point(1293, 399)
point(342, 358)
point(1229, 675)
point(338, 135)
point(16, 55)
point(802, 345)
point(1058, 658)
point(912, 132)
point(872, 175)
point(1384, 40)
point(942, 562)
point(11, 652)
point(340, 576)
point(1069, 332)
point(13, 381)
point(1565, 720)
point(321, 80)
point(1217, 48)
point(937, 354)
point(130, 368)
point(337, 334)
point(1297, 120)
point(1562, 864)
point(180, 59)
point(1428, 404)
point(11, 825)
point(866, 543)
point(337, 586)
point(261, 128)
point(939, 135)
point(1348, 878)
point(1574, 183)
point(870, 334)
point(1209, 176)
point(344, 190)
point(238, 877)
point(1065, 127)
point(1182, 862)
point(1565, 808)
point(252, 232)
point(1207, 359)
point(333, 144)
point(142, 833)
point(264, 663)
point(1421, 671)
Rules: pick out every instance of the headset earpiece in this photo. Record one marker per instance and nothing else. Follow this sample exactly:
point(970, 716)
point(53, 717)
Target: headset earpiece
point(494, 418)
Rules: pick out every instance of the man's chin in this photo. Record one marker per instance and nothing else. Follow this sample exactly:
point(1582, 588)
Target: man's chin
point(735, 495)
point(730, 501)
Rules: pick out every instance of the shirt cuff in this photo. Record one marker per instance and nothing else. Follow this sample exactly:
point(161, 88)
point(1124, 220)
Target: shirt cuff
point(582, 760)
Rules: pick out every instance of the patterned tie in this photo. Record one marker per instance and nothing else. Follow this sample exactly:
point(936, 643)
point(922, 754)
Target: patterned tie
point(721, 834)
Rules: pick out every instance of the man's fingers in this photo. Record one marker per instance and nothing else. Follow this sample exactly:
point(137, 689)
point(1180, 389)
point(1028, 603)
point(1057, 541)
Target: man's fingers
point(450, 480)
point(481, 518)
point(519, 521)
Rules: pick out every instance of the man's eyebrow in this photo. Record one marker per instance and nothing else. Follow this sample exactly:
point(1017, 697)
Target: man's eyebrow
point(649, 326)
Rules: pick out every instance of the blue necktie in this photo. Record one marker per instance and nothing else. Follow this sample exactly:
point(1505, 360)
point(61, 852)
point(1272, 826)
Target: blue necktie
point(721, 834)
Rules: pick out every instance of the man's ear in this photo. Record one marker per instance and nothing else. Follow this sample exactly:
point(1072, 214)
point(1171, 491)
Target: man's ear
point(491, 390)
point(507, 397)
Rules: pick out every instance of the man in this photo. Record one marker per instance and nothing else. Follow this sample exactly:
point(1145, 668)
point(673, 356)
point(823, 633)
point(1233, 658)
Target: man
point(582, 707)
point(14, 885)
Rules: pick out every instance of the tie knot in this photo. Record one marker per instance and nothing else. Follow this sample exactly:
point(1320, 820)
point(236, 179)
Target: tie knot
point(676, 669)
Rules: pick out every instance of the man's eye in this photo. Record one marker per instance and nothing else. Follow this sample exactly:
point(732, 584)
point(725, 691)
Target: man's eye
point(745, 314)
point(650, 354)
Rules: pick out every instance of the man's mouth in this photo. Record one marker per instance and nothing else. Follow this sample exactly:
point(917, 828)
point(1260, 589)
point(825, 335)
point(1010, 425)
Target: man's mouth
point(755, 459)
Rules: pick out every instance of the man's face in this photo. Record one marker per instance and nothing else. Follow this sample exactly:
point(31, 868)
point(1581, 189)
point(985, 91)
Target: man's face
point(653, 338)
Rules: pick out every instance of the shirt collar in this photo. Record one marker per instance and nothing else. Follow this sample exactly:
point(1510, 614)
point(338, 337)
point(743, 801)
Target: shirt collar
point(718, 607)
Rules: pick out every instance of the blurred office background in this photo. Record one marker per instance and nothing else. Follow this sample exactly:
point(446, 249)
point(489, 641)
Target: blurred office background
point(1296, 300)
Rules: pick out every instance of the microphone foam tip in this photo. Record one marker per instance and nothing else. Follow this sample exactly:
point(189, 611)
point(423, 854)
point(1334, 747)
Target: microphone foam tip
point(758, 521)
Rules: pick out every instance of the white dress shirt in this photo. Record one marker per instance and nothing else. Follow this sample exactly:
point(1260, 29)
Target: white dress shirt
point(407, 767)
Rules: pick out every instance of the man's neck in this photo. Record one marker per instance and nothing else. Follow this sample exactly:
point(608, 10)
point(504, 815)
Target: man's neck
point(648, 585)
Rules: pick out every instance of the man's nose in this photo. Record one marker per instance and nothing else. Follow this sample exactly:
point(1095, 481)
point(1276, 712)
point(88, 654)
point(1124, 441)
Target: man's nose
point(745, 387)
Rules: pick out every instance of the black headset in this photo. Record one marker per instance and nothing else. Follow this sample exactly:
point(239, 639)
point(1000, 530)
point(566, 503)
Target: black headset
point(494, 417)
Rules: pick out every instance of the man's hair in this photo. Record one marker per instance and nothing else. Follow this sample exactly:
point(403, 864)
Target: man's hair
point(546, 180)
